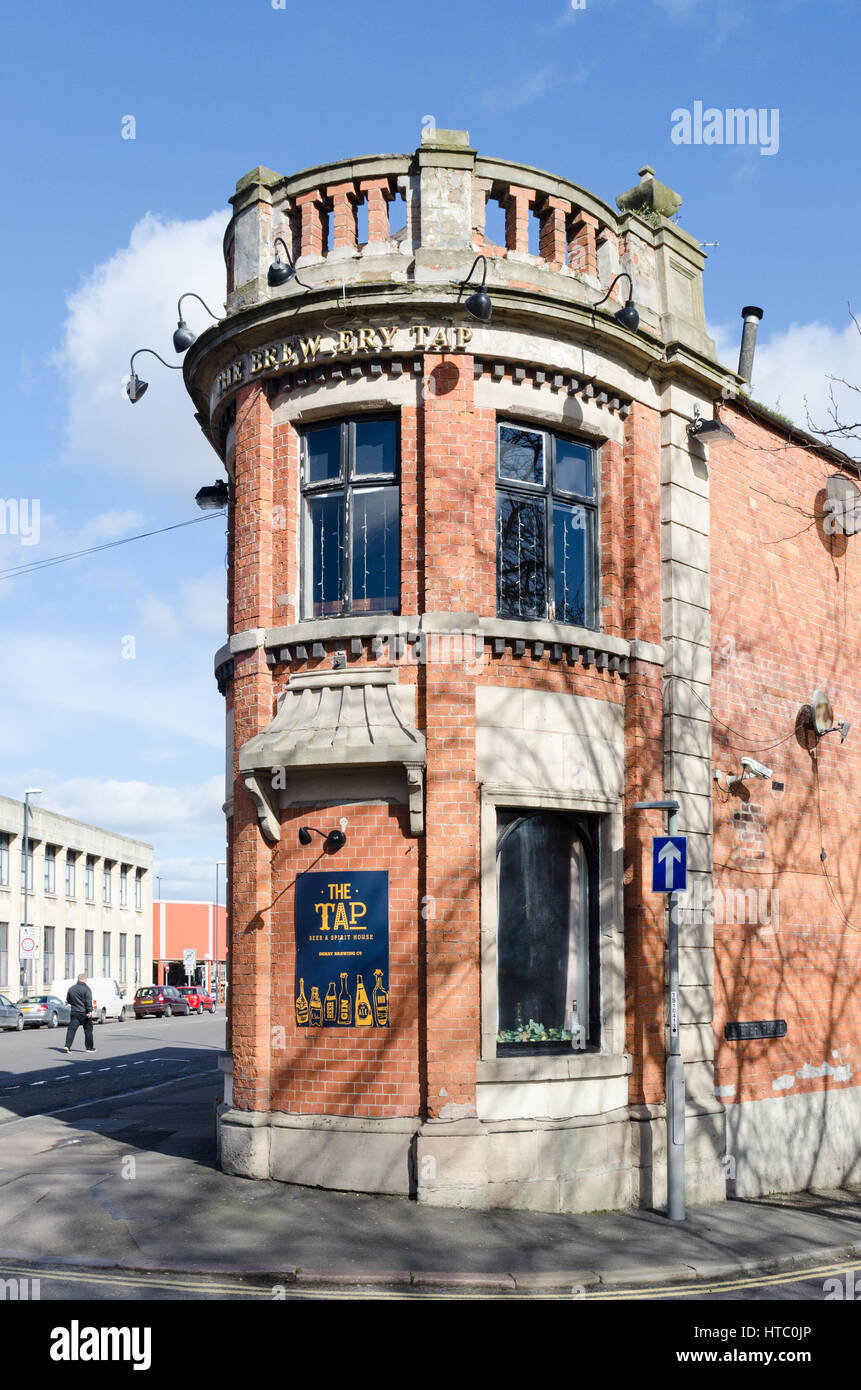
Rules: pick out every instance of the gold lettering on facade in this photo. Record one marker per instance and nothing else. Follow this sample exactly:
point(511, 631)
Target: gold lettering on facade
point(464, 335)
point(255, 362)
point(420, 332)
point(440, 341)
point(346, 341)
point(388, 335)
point(367, 340)
point(310, 347)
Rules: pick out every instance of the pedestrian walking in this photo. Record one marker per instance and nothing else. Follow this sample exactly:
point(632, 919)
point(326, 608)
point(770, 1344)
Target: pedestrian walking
point(80, 1000)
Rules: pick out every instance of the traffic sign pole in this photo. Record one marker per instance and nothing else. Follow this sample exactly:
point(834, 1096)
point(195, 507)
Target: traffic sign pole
point(675, 1067)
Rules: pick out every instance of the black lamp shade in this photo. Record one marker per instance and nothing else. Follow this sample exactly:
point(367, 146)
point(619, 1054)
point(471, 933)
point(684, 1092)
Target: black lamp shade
point(336, 839)
point(279, 273)
point(304, 836)
point(214, 498)
point(135, 388)
point(183, 337)
point(479, 306)
point(628, 317)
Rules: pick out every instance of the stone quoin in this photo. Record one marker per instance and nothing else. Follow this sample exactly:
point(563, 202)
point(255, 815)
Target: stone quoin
point(486, 591)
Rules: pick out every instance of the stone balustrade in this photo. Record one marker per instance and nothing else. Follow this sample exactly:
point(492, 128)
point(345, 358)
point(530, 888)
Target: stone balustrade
point(401, 218)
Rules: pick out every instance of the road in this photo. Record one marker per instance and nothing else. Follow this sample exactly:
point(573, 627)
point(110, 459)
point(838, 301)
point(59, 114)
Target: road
point(36, 1076)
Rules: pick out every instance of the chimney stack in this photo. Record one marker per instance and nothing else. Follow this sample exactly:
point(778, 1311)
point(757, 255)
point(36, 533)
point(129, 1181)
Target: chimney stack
point(751, 316)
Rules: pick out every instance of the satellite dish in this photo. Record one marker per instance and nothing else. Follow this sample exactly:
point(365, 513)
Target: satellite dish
point(823, 714)
point(844, 504)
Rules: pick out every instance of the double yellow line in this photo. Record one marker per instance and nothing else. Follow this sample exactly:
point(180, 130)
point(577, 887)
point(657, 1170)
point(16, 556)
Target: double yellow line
point(226, 1286)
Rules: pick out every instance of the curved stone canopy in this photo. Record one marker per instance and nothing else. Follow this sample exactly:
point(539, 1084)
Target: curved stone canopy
point(338, 719)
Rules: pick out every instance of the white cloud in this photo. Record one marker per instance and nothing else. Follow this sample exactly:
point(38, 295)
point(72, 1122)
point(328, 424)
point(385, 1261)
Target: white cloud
point(129, 301)
point(514, 94)
point(190, 879)
point(792, 371)
point(141, 809)
point(84, 684)
point(184, 824)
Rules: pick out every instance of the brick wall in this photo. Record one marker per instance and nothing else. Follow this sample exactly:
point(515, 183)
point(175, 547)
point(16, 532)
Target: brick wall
point(785, 620)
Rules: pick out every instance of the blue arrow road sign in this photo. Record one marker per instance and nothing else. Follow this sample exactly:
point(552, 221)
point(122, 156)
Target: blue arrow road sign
point(669, 864)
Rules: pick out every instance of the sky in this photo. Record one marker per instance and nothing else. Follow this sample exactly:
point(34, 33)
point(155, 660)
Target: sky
point(107, 697)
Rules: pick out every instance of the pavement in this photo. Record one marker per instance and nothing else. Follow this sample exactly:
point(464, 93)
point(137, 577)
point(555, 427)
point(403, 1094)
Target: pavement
point(129, 1183)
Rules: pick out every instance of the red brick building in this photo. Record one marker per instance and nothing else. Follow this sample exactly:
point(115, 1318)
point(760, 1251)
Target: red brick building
point(178, 927)
point(480, 570)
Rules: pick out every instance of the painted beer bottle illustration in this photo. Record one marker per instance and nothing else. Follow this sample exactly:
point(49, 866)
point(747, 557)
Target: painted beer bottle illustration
point(345, 1003)
point(301, 1006)
point(316, 1008)
point(330, 1005)
point(364, 1017)
point(381, 1001)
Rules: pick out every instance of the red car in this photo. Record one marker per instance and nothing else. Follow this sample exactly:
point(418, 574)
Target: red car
point(198, 1000)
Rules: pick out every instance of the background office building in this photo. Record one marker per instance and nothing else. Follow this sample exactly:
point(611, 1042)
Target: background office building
point(89, 901)
point(492, 582)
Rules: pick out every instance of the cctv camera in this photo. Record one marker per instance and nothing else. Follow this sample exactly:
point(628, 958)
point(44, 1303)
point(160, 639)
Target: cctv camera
point(756, 769)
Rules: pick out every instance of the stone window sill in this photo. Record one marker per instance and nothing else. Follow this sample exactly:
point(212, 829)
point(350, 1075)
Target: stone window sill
point(579, 1066)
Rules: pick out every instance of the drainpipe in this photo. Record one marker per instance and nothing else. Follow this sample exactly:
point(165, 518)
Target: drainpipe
point(751, 317)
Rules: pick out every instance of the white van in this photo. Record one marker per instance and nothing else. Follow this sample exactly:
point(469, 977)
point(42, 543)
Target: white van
point(107, 997)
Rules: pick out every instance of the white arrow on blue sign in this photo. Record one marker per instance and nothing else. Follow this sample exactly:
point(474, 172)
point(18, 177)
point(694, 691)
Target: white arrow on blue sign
point(669, 863)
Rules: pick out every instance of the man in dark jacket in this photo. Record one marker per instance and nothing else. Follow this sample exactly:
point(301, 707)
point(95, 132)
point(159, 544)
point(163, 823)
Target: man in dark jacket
point(80, 1000)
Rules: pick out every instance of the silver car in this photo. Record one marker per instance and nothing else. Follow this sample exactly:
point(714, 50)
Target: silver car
point(44, 1011)
point(10, 1015)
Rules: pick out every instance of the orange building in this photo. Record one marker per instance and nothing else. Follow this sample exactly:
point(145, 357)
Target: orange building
point(178, 927)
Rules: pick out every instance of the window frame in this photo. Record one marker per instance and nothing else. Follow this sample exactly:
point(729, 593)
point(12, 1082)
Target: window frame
point(347, 483)
point(69, 951)
point(588, 830)
point(50, 867)
point(48, 949)
point(71, 885)
point(5, 858)
point(89, 952)
point(551, 493)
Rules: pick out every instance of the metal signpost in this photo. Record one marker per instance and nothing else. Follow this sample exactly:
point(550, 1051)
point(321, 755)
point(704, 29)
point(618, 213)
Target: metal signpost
point(669, 875)
point(189, 961)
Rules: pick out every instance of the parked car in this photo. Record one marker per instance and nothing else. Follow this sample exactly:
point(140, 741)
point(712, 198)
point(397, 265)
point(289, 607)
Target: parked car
point(198, 999)
point(160, 1001)
point(108, 999)
point(44, 1010)
point(10, 1015)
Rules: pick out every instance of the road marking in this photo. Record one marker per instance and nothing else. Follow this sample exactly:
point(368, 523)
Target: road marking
point(186, 1281)
point(104, 1100)
point(792, 1276)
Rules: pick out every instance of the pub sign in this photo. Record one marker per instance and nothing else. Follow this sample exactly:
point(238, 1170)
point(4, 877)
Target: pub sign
point(342, 950)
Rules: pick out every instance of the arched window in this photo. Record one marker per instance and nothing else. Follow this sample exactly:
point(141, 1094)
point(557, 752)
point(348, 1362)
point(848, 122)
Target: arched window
point(546, 932)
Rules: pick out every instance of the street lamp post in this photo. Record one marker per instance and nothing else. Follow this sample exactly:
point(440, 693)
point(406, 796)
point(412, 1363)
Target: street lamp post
point(219, 864)
point(675, 1070)
point(31, 791)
